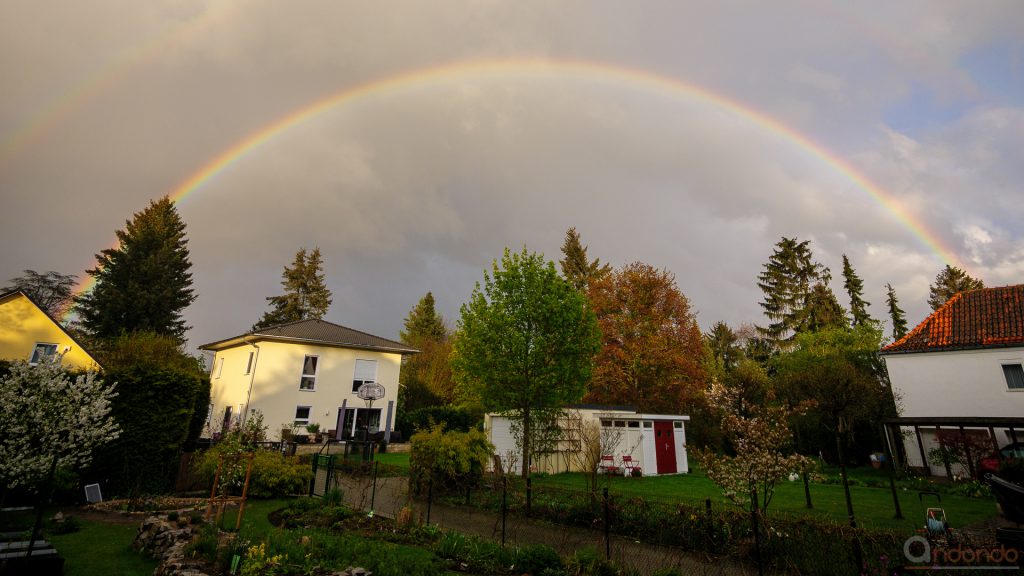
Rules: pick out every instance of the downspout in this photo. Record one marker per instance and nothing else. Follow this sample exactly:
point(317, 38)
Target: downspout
point(252, 378)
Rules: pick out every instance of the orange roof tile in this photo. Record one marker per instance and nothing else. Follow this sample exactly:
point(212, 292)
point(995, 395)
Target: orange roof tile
point(985, 318)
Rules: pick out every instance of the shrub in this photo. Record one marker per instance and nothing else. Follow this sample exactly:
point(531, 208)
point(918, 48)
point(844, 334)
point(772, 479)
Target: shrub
point(458, 419)
point(273, 474)
point(536, 560)
point(1012, 470)
point(453, 460)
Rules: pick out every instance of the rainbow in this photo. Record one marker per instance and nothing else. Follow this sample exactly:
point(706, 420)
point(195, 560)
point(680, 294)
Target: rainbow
point(531, 68)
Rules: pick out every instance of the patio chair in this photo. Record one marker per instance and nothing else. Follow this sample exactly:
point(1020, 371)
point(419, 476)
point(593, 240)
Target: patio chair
point(607, 465)
point(629, 465)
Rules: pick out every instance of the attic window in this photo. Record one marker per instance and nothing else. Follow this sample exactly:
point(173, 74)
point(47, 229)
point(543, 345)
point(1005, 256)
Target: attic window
point(1014, 374)
point(42, 352)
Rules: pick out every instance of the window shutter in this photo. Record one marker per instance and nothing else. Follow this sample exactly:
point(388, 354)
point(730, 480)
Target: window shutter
point(366, 370)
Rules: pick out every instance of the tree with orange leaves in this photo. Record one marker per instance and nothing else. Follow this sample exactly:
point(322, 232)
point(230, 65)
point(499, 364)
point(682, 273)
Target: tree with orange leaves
point(651, 350)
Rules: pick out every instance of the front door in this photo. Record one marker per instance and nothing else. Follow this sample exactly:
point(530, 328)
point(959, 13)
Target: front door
point(665, 447)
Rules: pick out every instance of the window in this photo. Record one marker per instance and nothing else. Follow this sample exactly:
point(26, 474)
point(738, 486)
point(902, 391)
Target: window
point(648, 424)
point(302, 415)
point(677, 424)
point(248, 365)
point(366, 371)
point(1014, 374)
point(219, 368)
point(42, 352)
point(309, 366)
point(633, 424)
point(606, 423)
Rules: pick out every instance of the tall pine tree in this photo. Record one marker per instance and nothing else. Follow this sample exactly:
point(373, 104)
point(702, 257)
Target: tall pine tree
point(949, 282)
point(823, 310)
point(143, 283)
point(579, 270)
point(787, 282)
point(855, 289)
point(426, 378)
point(305, 295)
point(899, 319)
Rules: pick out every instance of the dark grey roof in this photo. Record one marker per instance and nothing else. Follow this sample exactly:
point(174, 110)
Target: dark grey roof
point(316, 332)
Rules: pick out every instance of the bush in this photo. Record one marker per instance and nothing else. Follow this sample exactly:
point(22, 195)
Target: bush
point(458, 419)
point(536, 560)
point(453, 460)
point(273, 474)
point(1012, 470)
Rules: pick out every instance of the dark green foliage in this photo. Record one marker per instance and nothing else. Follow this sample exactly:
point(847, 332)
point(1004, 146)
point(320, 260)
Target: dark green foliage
point(423, 323)
point(426, 378)
point(454, 418)
point(949, 282)
point(823, 310)
point(896, 314)
point(787, 281)
point(536, 559)
point(452, 460)
point(1012, 470)
point(205, 543)
point(579, 270)
point(305, 293)
point(312, 513)
point(525, 343)
point(51, 291)
point(154, 407)
point(855, 290)
point(144, 283)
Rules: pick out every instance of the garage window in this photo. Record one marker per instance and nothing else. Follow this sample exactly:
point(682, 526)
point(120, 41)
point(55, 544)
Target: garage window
point(1014, 374)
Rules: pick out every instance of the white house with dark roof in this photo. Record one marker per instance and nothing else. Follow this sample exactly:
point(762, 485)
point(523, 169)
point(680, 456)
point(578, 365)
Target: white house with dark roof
point(962, 370)
point(306, 372)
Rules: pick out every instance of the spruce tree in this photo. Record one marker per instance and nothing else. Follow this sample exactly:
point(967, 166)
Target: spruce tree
point(787, 281)
point(855, 289)
point(949, 282)
point(143, 283)
point(823, 310)
point(423, 323)
point(579, 270)
point(899, 319)
point(426, 378)
point(305, 295)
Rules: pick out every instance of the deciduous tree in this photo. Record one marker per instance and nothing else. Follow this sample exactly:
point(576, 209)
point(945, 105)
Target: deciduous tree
point(577, 268)
point(651, 351)
point(305, 295)
point(525, 343)
point(48, 419)
point(51, 291)
point(144, 283)
point(949, 282)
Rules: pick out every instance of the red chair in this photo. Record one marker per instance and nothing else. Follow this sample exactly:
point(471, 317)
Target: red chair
point(607, 465)
point(629, 465)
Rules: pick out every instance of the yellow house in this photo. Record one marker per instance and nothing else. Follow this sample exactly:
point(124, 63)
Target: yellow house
point(27, 332)
point(306, 372)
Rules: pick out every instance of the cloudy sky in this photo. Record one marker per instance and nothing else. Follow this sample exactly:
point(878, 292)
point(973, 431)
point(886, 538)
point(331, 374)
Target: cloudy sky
point(413, 141)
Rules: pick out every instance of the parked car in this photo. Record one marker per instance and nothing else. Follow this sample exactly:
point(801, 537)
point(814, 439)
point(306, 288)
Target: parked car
point(990, 463)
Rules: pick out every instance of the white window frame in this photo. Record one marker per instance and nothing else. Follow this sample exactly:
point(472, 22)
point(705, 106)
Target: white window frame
point(356, 380)
point(219, 368)
point(300, 421)
point(1006, 375)
point(36, 358)
point(313, 376)
point(248, 365)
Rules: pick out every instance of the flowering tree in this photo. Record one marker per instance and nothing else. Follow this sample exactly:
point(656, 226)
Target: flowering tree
point(48, 419)
point(759, 434)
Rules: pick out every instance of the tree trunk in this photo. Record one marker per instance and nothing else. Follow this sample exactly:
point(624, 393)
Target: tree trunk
point(527, 439)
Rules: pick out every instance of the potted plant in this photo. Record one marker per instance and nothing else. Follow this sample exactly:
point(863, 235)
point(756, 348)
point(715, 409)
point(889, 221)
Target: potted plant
point(314, 431)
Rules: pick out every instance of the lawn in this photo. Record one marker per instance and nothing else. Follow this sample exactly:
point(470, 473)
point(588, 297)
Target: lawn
point(873, 507)
point(100, 549)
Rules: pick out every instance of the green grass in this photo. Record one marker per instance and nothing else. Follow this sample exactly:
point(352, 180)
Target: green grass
point(101, 549)
point(400, 460)
point(873, 507)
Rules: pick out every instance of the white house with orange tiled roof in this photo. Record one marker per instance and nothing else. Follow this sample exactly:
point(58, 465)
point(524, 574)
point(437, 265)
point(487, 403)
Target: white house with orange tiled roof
point(965, 361)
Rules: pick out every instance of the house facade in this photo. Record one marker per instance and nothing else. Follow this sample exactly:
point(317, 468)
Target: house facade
point(653, 444)
point(303, 373)
point(965, 361)
point(27, 332)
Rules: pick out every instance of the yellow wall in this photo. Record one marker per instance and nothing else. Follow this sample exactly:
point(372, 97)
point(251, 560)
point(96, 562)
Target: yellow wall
point(275, 383)
point(23, 324)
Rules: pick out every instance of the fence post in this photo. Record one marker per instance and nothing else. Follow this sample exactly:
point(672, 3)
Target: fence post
point(312, 481)
point(373, 492)
point(709, 533)
point(607, 528)
point(807, 489)
point(504, 507)
point(529, 495)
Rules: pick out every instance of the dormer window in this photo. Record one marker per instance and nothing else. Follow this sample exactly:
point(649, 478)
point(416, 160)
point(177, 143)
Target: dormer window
point(42, 353)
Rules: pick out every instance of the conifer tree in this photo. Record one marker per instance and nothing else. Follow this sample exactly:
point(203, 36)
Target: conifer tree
point(426, 378)
point(855, 289)
point(305, 295)
point(143, 283)
point(787, 281)
point(579, 270)
point(949, 282)
point(823, 310)
point(423, 323)
point(899, 319)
